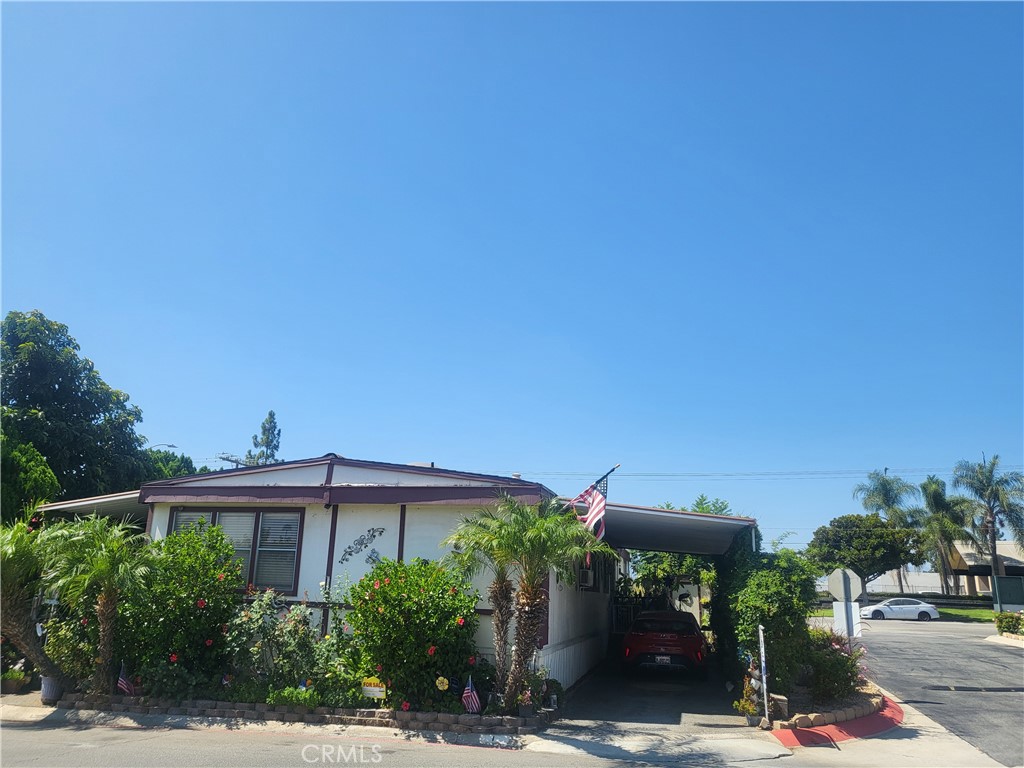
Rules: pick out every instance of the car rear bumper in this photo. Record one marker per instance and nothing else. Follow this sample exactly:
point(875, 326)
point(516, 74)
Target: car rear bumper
point(675, 661)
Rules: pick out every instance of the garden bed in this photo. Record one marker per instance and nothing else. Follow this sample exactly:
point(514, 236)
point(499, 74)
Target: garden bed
point(803, 713)
point(285, 713)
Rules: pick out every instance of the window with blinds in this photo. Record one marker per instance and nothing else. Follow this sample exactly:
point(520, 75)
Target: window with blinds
point(265, 541)
point(278, 547)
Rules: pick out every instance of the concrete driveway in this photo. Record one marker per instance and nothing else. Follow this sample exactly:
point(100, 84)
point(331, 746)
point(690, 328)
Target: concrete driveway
point(656, 717)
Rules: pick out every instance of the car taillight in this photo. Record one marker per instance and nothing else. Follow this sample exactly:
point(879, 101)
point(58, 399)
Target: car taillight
point(627, 651)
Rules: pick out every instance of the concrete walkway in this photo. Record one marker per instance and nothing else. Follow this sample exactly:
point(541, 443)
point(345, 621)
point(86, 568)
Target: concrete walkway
point(708, 734)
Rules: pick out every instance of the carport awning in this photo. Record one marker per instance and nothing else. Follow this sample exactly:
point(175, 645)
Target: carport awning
point(115, 505)
point(667, 530)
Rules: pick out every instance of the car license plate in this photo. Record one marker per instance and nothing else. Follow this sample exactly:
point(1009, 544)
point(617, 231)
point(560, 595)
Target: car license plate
point(663, 659)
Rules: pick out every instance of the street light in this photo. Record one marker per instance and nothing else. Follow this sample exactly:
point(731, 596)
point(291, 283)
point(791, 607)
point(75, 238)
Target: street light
point(164, 445)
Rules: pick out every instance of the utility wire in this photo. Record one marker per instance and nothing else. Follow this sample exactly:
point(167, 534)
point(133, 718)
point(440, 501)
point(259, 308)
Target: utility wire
point(800, 474)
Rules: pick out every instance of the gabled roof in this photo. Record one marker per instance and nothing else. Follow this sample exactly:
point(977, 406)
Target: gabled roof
point(332, 460)
point(333, 479)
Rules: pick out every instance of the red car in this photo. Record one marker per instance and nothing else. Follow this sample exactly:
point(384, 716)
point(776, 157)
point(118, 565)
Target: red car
point(666, 639)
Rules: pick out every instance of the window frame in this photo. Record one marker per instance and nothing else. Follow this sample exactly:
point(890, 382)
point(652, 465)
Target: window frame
point(257, 522)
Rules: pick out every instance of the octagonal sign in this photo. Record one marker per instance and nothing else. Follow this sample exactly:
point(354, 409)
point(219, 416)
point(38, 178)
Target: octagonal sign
point(845, 585)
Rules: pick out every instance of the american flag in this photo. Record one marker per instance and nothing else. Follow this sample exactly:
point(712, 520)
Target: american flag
point(469, 698)
point(123, 683)
point(595, 497)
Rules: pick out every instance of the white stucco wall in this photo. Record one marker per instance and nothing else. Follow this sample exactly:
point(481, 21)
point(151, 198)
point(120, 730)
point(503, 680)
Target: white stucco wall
point(578, 620)
point(367, 476)
point(316, 529)
point(313, 475)
point(354, 522)
point(577, 631)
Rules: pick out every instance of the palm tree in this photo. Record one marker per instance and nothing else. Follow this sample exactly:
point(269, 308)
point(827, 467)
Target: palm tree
point(479, 543)
point(944, 520)
point(22, 563)
point(1001, 499)
point(887, 494)
point(98, 559)
point(542, 537)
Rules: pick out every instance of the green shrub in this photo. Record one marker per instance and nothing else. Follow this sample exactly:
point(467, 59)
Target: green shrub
point(248, 691)
point(1012, 623)
point(416, 623)
point(747, 703)
point(339, 669)
point(770, 600)
point(174, 628)
point(71, 641)
point(272, 642)
point(299, 697)
point(12, 674)
point(836, 671)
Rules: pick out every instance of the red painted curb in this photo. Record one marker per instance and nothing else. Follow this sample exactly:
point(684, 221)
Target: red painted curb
point(888, 717)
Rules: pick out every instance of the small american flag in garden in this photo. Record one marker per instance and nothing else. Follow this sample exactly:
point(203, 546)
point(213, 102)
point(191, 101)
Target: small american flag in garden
point(123, 683)
point(469, 698)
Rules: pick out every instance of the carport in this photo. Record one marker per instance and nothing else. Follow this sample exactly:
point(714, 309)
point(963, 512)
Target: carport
point(672, 530)
point(575, 638)
point(650, 713)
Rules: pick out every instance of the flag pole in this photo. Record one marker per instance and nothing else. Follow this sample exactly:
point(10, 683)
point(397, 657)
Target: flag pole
point(595, 483)
point(602, 477)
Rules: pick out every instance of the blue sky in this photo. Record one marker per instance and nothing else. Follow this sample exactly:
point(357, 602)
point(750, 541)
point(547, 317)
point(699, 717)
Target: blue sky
point(699, 240)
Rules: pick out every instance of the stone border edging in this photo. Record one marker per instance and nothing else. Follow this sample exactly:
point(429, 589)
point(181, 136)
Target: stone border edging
point(1012, 636)
point(437, 722)
point(833, 716)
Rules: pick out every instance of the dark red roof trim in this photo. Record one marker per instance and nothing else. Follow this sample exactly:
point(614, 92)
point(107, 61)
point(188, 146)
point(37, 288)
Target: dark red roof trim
point(332, 460)
point(370, 494)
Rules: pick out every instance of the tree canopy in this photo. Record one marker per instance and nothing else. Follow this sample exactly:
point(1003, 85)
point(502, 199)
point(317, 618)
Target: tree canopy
point(161, 465)
point(27, 478)
point(55, 400)
point(266, 443)
point(866, 544)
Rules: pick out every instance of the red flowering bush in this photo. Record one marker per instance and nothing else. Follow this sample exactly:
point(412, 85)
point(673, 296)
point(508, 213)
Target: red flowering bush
point(416, 623)
point(171, 631)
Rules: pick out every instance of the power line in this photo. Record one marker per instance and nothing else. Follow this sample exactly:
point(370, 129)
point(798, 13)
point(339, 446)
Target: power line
point(798, 474)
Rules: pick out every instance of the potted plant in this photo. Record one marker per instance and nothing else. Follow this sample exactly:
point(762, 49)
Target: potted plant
point(12, 681)
point(747, 704)
point(525, 702)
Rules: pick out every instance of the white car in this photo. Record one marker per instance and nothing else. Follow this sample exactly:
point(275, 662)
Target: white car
point(900, 608)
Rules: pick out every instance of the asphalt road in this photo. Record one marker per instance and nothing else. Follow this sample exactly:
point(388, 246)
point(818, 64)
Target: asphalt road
point(317, 747)
point(922, 661)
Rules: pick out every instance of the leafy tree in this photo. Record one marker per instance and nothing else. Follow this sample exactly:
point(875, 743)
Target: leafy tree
point(544, 537)
point(23, 553)
point(97, 560)
point(161, 465)
point(266, 443)
point(705, 506)
point(1001, 496)
point(56, 400)
point(866, 544)
point(27, 478)
point(481, 542)
point(944, 520)
point(663, 572)
point(888, 495)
